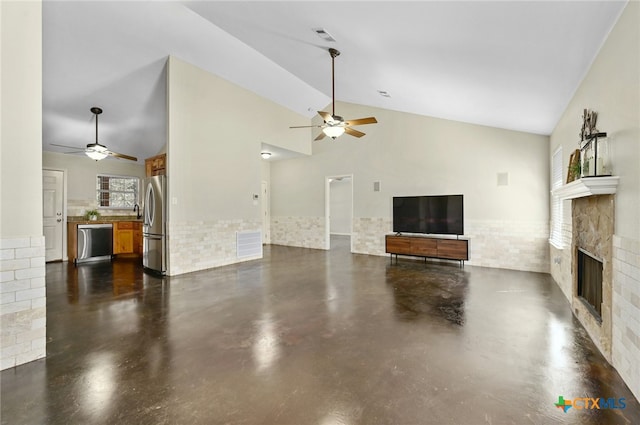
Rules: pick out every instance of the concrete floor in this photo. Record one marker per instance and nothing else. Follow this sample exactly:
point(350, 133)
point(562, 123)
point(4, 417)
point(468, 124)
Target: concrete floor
point(310, 337)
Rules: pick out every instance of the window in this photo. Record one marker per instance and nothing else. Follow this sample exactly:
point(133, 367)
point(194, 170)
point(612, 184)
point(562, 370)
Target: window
point(117, 191)
point(555, 237)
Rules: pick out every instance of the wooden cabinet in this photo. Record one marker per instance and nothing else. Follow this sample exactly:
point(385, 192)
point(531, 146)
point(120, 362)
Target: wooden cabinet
point(72, 241)
point(123, 237)
point(422, 246)
point(156, 165)
point(127, 237)
point(137, 238)
point(453, 249)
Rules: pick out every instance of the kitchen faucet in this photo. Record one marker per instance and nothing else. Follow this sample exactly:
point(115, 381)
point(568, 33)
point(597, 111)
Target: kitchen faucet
point(136, 209)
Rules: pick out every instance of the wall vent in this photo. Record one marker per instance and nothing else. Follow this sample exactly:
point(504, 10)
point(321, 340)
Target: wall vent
point(503, 179)
point(323, 34)
point(249, 244)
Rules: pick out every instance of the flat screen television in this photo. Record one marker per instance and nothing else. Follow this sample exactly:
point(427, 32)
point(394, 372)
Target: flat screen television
point(440, 214)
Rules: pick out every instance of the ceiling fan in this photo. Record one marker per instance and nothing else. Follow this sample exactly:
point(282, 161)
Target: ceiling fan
point(334, 125)
point(95, 150)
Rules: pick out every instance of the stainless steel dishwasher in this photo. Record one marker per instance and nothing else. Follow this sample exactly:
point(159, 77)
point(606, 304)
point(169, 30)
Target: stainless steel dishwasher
point(95, 242)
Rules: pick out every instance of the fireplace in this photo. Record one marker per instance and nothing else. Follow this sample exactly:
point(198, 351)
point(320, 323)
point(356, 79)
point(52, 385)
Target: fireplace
point(589, 282)
point(592, 216)
point(592, 237)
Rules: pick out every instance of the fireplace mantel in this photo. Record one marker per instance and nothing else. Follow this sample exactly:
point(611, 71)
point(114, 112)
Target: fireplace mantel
point(588, 186)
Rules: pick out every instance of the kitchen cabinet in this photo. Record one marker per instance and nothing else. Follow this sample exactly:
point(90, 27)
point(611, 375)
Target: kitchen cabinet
point(137, 238)
point(72, 241)
point(127, 237)
point(156, 165)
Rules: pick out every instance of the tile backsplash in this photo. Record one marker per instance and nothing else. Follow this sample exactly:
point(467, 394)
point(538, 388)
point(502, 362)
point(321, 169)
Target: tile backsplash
point(78, 207)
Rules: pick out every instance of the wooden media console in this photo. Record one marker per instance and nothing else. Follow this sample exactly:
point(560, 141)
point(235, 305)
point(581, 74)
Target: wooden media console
point(427, 247)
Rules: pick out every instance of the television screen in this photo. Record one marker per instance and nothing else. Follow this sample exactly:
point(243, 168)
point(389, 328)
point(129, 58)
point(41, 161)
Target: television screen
point(441, 215)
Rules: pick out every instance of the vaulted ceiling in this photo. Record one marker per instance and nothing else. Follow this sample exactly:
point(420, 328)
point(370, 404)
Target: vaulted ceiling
point(507, 64)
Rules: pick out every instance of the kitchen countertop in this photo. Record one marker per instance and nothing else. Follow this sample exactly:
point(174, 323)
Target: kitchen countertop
point(79, 219)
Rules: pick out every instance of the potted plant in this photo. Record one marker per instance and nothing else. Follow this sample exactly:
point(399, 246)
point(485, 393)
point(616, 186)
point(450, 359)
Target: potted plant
point(92, 214)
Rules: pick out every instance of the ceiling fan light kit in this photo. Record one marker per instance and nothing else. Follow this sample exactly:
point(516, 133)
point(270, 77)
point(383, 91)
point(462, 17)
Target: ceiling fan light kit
point(96, 152)
point(333, 132)
point(334, 126)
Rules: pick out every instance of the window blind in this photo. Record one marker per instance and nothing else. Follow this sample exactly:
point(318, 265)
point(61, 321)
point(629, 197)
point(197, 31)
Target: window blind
point(555, 237)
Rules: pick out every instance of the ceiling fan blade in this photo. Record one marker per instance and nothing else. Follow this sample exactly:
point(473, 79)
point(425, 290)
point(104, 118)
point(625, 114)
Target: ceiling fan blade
point(123, 156)
point(320, 136)
point(353, 132)
point(325, 116)
point(305, 126)
point(361, 121)
point(68, 147)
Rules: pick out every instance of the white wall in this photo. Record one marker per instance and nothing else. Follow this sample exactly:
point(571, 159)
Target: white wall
point(612, 88)
point(417, 155)
point(21, 185)
point(22, 264)
point(215, 131)
point(413, 154)
point(81, 174)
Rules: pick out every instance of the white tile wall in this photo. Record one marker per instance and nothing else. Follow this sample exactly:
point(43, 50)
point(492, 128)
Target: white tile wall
point(23, 310)
point(518, 245)
point(368, 235)
point(76, 207)
point(560, 260)
point(626, 311)
point(203, 245)
point(305, 232)
point(502, 244)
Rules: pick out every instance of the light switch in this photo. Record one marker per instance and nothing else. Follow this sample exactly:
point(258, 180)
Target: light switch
point(174, 201)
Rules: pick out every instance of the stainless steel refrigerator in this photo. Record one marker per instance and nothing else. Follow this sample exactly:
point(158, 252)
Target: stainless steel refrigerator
point(154, 229)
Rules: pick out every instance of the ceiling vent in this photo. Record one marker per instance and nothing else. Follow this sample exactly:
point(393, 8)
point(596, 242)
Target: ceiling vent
point(323, 34)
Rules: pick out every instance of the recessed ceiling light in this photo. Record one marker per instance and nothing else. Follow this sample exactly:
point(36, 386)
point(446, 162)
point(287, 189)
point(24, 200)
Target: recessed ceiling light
point(383, 93)
point(323, 34)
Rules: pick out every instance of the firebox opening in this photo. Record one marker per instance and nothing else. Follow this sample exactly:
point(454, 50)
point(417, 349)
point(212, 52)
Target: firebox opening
point(590, 282)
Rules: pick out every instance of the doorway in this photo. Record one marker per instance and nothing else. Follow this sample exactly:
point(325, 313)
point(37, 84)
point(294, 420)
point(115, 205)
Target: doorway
point(53, 215)
point(338, 211)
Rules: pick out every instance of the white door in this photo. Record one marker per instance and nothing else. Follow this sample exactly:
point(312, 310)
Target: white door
point(266, 214)
point(52, 219)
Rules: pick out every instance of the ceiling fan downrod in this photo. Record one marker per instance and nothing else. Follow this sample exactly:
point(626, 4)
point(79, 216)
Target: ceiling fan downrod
point(97, 111)
point(333, 52)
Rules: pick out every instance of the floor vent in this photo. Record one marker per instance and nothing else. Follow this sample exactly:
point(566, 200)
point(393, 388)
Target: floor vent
point(249, 244)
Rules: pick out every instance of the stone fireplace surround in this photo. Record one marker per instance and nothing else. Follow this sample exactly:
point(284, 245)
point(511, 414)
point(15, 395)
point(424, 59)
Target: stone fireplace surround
point(592, 213)
point(593, 220)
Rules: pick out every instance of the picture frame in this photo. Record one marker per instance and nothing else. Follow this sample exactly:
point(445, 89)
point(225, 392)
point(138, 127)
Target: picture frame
point(573, 171)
